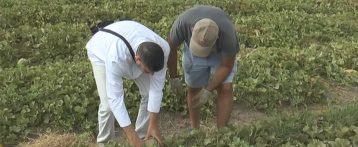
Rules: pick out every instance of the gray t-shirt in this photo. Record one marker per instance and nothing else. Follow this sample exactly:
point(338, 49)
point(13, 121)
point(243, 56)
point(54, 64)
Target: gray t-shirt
point(227, 44)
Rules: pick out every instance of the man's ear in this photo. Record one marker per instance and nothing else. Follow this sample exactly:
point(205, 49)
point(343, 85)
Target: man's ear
point(137, 58)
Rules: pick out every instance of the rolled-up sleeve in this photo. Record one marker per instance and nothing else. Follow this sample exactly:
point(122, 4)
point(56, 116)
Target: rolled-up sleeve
point(177, 31)
point(157, 82)
point(115, 93)
point(156, 91)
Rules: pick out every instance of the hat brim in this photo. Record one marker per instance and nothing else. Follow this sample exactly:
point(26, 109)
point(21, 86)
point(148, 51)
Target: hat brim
point(198, 50)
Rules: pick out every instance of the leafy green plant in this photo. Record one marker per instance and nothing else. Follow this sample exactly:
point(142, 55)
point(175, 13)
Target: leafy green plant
point(293, 46)
point(305, 129)
point(46, 97)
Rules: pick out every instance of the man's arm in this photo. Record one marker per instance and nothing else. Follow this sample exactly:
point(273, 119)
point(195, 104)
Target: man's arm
point(222, 72)
point(173, 57)
point(115, 93)
point(133, 137)
point(153, 128)
point(154, 101)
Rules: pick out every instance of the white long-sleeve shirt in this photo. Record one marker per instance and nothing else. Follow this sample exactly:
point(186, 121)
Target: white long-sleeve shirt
point(109, 50)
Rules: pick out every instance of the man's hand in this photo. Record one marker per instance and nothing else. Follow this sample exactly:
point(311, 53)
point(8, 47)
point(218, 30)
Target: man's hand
point(133, 137)
point(201, 98)
point(153, 129)
point(176, 86)
point(150, 142)
point(154, 133)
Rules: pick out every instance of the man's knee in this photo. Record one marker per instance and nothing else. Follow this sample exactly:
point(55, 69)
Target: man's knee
point(225, 90)
point(104, 108)
point(225, 87)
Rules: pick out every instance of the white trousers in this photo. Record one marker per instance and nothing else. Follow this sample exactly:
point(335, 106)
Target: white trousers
point(105, 115)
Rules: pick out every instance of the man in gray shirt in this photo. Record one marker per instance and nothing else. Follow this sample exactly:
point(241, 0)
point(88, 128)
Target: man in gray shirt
point(209, 59)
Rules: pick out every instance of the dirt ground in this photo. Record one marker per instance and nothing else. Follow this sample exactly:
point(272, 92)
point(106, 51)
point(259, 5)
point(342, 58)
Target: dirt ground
point(175, 123)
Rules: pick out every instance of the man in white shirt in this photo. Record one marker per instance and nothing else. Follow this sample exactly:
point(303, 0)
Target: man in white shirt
point(111, 61)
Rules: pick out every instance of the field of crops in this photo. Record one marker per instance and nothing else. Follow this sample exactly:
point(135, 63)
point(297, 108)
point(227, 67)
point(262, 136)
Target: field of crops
point(290, 51)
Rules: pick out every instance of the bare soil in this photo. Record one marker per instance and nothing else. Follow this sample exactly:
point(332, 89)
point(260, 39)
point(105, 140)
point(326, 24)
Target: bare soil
point(175, 123)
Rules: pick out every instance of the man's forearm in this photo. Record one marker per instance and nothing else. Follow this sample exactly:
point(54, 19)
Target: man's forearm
point(153, 128)
point(153, 118)
point(219, 77)
point(221, 73)
point(172, 64)
point(173, 57)
point(131, 135)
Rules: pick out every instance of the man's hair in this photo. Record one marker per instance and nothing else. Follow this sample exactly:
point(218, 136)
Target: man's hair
point(152, 56)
